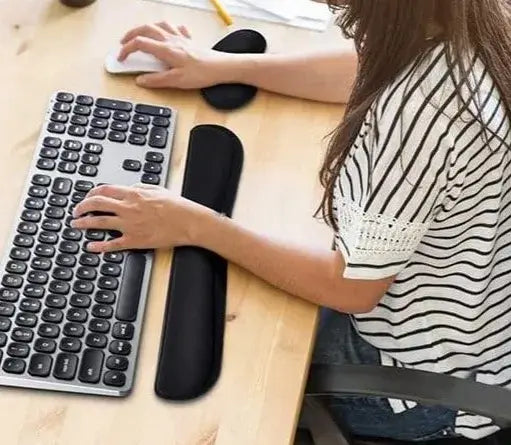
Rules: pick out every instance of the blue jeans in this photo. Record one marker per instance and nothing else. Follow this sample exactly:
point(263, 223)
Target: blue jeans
point(338, 343)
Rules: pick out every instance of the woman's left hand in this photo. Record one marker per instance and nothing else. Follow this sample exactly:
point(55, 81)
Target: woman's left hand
point(148, 217)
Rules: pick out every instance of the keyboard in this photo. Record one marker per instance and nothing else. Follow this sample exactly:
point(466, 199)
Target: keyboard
point(71, 320)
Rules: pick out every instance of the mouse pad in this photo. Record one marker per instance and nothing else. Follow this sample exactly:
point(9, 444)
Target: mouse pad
point(232, 96)
point(192, 338)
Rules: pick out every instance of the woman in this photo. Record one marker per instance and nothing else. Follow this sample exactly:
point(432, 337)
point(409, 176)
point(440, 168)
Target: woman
point(417, 193)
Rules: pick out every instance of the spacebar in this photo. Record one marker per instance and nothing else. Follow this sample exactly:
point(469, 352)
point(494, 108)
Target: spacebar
point(131, 286)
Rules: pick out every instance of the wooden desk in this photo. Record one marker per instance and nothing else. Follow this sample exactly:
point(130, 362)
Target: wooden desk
point(46, 47)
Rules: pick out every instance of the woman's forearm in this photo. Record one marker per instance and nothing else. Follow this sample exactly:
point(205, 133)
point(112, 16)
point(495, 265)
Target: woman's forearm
point(314, 275)
point(326, 76)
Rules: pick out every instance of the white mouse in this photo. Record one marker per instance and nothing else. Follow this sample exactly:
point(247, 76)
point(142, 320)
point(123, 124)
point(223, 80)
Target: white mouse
point(137, 62)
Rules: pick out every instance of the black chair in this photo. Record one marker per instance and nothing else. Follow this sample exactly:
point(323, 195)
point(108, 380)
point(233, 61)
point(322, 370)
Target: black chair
point(318, 428)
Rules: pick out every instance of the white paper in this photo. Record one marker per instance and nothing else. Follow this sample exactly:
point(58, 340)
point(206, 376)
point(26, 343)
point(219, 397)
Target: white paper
point(285, 9)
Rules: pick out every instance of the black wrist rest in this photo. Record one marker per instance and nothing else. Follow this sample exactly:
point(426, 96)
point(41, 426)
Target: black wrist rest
point(193, 329)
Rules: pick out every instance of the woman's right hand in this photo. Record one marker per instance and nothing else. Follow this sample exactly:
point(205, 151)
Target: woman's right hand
point(190, 66)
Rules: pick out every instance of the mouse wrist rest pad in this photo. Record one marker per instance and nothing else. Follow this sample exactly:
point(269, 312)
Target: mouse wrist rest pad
point(193, 329)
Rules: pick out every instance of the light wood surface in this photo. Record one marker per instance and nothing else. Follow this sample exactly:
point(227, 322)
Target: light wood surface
point(45, 47)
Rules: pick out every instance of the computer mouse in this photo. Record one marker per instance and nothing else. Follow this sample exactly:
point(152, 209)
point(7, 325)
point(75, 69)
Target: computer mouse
point(137, 62)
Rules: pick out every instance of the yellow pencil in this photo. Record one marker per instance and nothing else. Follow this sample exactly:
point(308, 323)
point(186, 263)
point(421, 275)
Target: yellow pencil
point(222, 12)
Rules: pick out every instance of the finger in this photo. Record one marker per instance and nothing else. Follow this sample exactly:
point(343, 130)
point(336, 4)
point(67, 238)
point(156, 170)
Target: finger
point(183, 30)
point(97, 222)
point(98, 204)
point(110, 191)
point(151, 31)
point(108, 246)
point(150, 46)
point(168, 28)
point(164, 79)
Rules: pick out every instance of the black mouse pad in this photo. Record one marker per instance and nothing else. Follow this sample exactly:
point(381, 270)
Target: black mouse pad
point(193, 329)
point(232, 96)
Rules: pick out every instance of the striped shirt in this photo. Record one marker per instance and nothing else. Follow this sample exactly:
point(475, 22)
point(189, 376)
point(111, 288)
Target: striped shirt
point(425, 195)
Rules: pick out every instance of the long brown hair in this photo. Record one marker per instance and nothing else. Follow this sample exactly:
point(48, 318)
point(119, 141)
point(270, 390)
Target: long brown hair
point(390, 35)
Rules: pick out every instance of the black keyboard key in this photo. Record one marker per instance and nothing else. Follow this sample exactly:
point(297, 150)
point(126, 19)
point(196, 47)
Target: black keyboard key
point(158, 137)
point(76, 130)
point(83, 110)
point(78, 119)
point(52, 225)
point(70, 344)
point(48, 330)
point(37, 277)
point(111, 270)
point(49, 153)
point(41, 263)
point(131, 285)
point(96, 149)
point(114, 378)
point(34, 290)
point(113, 257)
point(54, 212)
point(137, 139)
point(139, 129)
point(27, 228)
point(154, 156)
point(116, 136)
point(65, 366)
point(62, 186)
point(102, 311)
point(97, 133)
point(89, 259)
point(99, 122)
point(14, 266)
point(69, 247)
point(19, 350)
point(77, 197)
point(10, 295)
point(45, 345)
point(161, 121)
point(122, 116)
point(6, 309)
point(40, 365)
point(73, 145)
point(5, 324)
point(108, 283)
point(74, 330)
point(101, 112)
point(152, 110)
point(96, 340)
point(44, 250)
point(24, 335)
point(141, 119)
point(3, 341)
point(65, 260)
point(84, 100)
point(131, 165)
point(13, 281)
point(114, 104)
point(88, 170)
point(48, 237)
point(14, 366)
point(69, 156)
point(45, 164)
point(61, 106)
point(117, 363)
point(66, 167)
point(91, 366)
point(58, 116)
point(53, 142)
point(34, 203)
point(62, 273)
point(80, 300)
point(26, 320)
point(65, 97)
point(72, 234)
point(52, 315)
point(59, 287)
point(91, 159)
point(86, 273)
point(105, 296)
point(58, 200)
point(56, 127)
point(30, 305)
point(95, 235)
point(83, 287)
point(150, 178)
point(20, 253)
point(31, 215)
point(123, 331)
point(99, 325)
point(83, 186)
point(55, 301)
point(37, 191)
point(78, 315)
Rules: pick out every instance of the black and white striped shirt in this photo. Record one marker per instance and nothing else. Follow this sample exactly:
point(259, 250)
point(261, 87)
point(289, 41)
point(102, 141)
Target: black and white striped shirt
point(425, 194)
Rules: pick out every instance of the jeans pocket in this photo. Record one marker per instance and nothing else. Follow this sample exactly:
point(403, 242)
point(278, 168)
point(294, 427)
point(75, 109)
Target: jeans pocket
point(444, 433)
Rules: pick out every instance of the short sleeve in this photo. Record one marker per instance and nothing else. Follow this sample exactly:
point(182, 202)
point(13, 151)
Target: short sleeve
point(388, 188)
